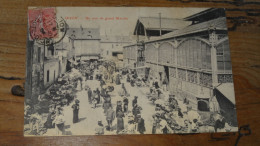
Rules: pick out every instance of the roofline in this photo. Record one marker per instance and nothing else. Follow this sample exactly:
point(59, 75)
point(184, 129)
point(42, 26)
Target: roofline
point(169, 37)
point(89, 54)
point(130, 45)
point(135, 30)
point(113, 42)
point(180, 35)
point(159, 28)
point(200, 13)
point(161, 18)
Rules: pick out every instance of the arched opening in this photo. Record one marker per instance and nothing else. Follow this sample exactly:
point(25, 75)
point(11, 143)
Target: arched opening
point(150, 55)
point(194, 53)
point(165, 53)
point(203, 104)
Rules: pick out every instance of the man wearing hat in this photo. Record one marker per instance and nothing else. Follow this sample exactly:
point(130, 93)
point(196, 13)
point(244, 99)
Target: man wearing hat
point(120, 121)
point(156, 126)
point(89, 96)
point(136, 110)
point(107, 102)
point(125, 104)
point(140, 126)
point(110, 116)
point(134, 101)
point(100, 129)
point(119, 106)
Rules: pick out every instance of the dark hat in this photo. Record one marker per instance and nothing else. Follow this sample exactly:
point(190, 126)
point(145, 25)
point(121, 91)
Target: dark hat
point(171, 95)
point(52, 105)
point(119, 102)
point(136, 96)
point(76, 101)
point(60, 108)
point(157, 114)
point(100, 123)
point(157, 108)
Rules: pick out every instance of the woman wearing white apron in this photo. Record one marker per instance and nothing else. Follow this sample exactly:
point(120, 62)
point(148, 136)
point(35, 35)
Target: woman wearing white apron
point(59, 122)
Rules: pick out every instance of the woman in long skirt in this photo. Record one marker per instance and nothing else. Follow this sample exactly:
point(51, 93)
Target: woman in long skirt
point(59, 122)
point(118, 79)
point(75, 111)
point(120, 121)
point(78, 85)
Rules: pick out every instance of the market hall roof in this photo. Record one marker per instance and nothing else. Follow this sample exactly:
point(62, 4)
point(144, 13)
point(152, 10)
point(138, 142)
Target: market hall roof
point(216, 24)
point(84, 33)
point(209, 14)
point(153, 23)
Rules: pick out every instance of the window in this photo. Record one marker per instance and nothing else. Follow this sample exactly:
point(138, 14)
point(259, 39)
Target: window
point(48, 75)
point(223, 57)
point(114, 54)
point(165, 53)
point(39, 54)
point(51, 49)
point(38, 79)
point(203, 56)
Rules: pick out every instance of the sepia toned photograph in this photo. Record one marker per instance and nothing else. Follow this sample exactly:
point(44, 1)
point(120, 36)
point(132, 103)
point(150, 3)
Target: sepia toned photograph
point(128, 70)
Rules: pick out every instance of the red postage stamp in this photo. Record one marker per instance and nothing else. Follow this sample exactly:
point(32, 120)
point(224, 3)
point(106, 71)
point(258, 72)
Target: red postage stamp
point(42, 23)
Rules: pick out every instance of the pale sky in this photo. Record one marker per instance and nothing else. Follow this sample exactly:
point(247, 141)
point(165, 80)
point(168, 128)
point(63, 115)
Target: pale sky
point(119, 27)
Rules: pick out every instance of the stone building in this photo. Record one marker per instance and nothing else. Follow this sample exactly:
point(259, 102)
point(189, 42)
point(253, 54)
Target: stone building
point(55, 61)
point(34, 71)
point(112, 48)
point(86, 42)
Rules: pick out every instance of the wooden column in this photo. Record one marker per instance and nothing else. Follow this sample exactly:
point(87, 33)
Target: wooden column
point(213, 38)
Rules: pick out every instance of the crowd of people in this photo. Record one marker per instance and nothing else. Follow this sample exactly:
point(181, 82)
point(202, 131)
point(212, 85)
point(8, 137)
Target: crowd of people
point(171, 115)
point(48, 112)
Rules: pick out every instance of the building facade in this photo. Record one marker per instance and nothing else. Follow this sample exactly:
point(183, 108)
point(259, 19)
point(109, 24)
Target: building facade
point(45, 63)
point(34, 71)
point(193, 64)
point(193, 61)
point(86, 42)
point(112, 48)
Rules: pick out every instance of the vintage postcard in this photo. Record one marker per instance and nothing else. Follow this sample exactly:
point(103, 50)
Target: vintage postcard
point(128, 70)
